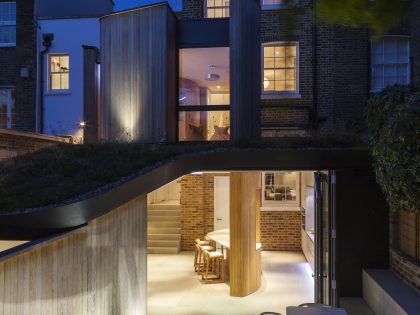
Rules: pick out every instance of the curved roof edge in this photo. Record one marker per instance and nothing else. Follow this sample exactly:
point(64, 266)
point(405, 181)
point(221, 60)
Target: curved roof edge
point(45, 221)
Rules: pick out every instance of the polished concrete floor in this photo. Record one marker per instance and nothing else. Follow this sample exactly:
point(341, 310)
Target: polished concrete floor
point(174, 287)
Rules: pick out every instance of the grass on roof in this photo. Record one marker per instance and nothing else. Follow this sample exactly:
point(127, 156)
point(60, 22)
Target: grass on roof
point(56, 174)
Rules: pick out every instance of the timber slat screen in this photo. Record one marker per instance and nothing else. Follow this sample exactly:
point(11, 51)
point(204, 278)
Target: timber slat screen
point(138, 58)
point(98, 270)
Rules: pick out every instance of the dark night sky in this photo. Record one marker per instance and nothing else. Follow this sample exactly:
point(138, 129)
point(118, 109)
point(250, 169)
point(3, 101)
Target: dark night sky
point(126, 4)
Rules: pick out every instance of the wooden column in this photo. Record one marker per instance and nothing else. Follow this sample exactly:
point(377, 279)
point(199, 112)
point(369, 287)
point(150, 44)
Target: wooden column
point(244, 259)
point(245, 70)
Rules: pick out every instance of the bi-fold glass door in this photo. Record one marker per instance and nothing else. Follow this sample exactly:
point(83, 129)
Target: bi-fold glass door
point(325, 238)
point(7, 108)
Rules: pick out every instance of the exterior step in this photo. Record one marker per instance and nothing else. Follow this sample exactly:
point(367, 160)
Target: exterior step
point(163, 212)
point(164, 224)
point(164, 206)
point(164, 237)
point(162, 243)
point(169, 230)
point(163, 250)
point(163, 218)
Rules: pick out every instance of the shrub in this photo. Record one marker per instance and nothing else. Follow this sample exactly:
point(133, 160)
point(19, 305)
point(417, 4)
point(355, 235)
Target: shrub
point(393, 118)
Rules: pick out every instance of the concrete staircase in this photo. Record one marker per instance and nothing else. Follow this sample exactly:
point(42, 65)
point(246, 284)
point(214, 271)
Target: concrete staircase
point(164, 227)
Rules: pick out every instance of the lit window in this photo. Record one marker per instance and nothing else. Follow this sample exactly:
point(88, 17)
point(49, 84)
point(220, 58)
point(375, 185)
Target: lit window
point(280, 68)
point(7, 24)
point(59, 72)
point(217, 9)
point(280, 187)
point(390, 61)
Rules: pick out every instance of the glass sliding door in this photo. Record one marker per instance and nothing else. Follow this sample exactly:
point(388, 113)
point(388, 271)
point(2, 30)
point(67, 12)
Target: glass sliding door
point(7, 108)
point(325, 235)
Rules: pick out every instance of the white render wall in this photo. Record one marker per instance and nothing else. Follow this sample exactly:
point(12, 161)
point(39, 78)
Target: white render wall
point(63, 112)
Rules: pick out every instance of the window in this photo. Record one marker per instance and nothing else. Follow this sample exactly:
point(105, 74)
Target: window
point(280, 187)
point(390, 61)
point(7, 108)
point(59, 68)
point(204, 94)
point(217, 9)
point(280, 74)
point(7, 24)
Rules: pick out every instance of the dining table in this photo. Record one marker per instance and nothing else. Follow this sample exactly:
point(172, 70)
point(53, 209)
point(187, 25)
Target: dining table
point(222, 237)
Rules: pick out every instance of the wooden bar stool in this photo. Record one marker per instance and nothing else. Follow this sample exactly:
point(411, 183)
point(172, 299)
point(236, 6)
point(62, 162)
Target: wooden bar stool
point(213, 261)
point(198, 257)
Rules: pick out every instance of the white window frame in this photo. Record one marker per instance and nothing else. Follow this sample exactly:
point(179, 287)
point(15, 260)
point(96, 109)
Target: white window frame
point(280, 205)
point(280, 94)
point(8, 24)
point(381, 38)
point(49, 74)
point(215, 7)
point(277, 6)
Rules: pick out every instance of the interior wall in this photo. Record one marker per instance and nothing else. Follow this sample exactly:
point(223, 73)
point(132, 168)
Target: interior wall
point(100, 269)
point(280, 230)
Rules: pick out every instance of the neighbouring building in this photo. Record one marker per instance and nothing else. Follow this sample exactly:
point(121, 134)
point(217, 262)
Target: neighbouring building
point(25, 26)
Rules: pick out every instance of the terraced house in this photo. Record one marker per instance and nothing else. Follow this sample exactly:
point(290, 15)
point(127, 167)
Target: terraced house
point(233, 221)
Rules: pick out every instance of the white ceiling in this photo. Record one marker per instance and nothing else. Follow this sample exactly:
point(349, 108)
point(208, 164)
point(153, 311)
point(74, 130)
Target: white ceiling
point(194, 64)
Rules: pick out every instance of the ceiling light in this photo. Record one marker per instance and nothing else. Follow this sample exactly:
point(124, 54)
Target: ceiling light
point(212, 76)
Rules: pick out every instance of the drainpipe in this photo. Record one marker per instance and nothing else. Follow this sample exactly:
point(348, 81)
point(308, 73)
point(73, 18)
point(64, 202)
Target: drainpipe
point(47, 43)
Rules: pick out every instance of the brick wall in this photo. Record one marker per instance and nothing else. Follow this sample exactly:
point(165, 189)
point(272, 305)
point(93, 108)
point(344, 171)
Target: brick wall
point(25, 57)
point(197, 210)
point(14, 142)
point(192, 9)
point(406, 269)
point(281, 230)
point(12, 59)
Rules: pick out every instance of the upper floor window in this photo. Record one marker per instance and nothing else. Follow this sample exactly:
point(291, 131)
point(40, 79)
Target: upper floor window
point(276, 4)
point(280, 74)
point(216, 8)
point(59, 67)
point(7, 24)
point(390, 61)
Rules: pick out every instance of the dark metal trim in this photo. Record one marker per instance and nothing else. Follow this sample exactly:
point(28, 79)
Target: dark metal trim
point(203, 108)
point(45, 221)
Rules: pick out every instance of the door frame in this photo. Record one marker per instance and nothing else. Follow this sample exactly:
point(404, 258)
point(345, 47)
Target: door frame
point(321, 275)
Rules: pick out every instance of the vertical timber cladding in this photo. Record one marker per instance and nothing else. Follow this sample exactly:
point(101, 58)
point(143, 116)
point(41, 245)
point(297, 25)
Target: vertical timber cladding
point(245, 68)
point(98, 270)
point(138, 60)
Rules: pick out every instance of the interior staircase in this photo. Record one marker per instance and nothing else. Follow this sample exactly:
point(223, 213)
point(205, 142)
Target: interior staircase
point(164, 227)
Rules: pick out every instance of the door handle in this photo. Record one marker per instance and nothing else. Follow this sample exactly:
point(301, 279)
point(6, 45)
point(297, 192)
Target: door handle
point(219, 219)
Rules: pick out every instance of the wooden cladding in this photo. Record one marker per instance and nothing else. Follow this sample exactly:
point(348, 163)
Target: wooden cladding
point(98, 270)
point(138, 77)
point(245, 69)
point(409, 234)
point(244, 259)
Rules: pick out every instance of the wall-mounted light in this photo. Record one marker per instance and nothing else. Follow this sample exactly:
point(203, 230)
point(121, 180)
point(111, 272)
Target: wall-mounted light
point(219, 87)
point(82, 124)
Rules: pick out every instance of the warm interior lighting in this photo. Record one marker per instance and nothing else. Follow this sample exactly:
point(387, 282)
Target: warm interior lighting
point(266, 83)
point(197, 173)
point(219, 87)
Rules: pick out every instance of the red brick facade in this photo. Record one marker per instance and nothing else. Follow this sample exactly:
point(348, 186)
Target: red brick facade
point(281, 230)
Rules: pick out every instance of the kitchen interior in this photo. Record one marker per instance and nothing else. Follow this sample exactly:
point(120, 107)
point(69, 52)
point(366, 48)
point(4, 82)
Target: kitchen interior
point(256, 230)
